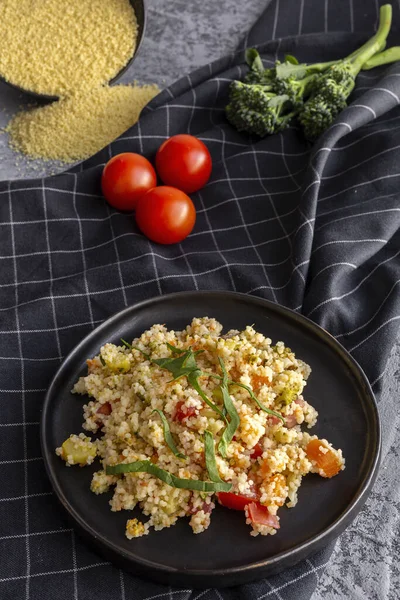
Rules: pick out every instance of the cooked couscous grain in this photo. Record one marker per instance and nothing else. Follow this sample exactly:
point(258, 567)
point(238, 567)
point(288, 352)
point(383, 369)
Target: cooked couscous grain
point(231, 409)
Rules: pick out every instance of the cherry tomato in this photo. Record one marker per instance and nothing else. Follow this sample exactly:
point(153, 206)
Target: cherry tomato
point(260, 515)
point(126, 177)
point(234, 501)
point(184, 162)
point(165, 215)
point(183, 412)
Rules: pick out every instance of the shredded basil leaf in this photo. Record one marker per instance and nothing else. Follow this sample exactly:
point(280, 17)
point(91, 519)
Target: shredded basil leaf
point(103, 362)
point(230, 408)
point(259, 404)
point(174, 349)
point(211, 463)
point(145, 466)
point(169, 440)
point(127, 344)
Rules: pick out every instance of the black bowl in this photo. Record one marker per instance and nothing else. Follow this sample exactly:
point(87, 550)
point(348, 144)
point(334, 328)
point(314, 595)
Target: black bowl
point(139, 7)
point(226, 554)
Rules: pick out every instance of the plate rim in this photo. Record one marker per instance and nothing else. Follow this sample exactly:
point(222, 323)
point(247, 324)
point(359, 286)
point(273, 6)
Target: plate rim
point(254, 570)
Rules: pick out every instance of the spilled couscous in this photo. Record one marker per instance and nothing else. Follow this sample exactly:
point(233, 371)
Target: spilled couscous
point(190, 418)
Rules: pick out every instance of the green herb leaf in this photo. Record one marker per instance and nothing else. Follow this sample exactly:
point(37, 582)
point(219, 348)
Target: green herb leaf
point(168, 436)
point(287, 69)
point(174, 349)
point(103, 362)
point(127, 344)
point(259, 404)
point(230, 408)
point(186, 366)
point(145, 466)
point(253, 59)
point(291, 59)
point(211, 463)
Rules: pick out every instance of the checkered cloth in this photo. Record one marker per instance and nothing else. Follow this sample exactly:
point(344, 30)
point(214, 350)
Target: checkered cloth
point(316, 229)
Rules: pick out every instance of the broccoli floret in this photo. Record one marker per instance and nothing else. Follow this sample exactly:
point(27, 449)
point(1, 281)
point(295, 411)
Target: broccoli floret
point(270, 98)
point(257, 111)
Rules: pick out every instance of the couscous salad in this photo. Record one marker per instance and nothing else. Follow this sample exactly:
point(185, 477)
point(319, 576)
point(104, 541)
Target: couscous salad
point(186, 419)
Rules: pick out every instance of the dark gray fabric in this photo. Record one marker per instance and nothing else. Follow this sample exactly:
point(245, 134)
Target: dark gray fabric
point(313, 228)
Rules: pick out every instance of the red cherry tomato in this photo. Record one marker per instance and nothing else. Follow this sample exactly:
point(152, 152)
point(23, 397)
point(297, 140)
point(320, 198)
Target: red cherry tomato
point(184, 162)
point(126, 177)
point(234, 501)
point(165, 215)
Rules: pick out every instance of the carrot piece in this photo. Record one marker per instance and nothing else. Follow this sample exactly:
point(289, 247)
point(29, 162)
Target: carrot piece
point(324, 458)
point(257, 381)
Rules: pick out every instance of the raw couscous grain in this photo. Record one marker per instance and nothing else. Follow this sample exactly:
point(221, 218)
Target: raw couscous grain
point(78, 126)
point(266, 455)
point(70, 50)
point(57, 47)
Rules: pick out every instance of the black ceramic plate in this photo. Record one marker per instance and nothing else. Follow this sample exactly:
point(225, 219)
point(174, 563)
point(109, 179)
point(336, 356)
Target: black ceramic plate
point(225, 554)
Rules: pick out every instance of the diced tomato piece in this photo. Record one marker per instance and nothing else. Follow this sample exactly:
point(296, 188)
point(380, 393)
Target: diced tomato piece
point(234, 501)
point(104, 409)
point(300, 401)
point(257, 451)
point(274, 420)
point(260, 515)
point(290, 421)
point(324, 458)
point(183, 412)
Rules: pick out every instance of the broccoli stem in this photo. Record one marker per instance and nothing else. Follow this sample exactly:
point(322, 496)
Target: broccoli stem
point(390, 55)
point(374, 44)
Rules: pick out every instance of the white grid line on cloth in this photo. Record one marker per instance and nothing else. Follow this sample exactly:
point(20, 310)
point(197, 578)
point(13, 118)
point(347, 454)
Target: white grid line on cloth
point(74, 564)
point(273, 589)
point(47, 330)
point(25, 442)
point(363, 214)
point(298, 188)
point(58, 572)
point(36, 495)
point(374, 332)
point(275, 20)
point(118, 263)
point(313, 569)
point(373, 316)
point(51, 189)
point(381, 89)
point(82, 251)
point(371, 110)
point(326, 16)
point(358, 185)
point(272, 178)
point(326, 177)
point(369, 240)
point(334, 298)
point(349, 127)
point(351, 16)
point(207, 218)
point(374, 199)
point(292, 581)
point(35, 534)
point(53, 307)
point(189, 266)
point(122, 584)
point(368, 135)
point(20, 424)
point(299, 31)
point(334, 265)
point(20, 460)
point(244, 223)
